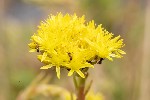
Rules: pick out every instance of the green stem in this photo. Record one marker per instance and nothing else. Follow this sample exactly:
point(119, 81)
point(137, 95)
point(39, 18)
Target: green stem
point(81, 88)
point(75, 82)
point(79, 83)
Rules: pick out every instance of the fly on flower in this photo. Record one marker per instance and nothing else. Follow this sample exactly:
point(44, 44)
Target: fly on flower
point(66, 41)
point(37, 48)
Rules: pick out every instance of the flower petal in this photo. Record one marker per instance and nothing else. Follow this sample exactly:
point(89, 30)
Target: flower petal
point(70, 72)
point(58, 72)
point(32, 50)
point(47, 66)
point(80, 73)
point(44, 56)
point(121, 51)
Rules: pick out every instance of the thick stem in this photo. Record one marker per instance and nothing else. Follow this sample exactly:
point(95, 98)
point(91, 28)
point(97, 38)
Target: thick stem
point(79, 83)
point(81, 88)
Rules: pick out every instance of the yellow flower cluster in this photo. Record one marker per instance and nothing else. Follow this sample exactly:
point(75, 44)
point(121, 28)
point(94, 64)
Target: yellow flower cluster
point(66, 41)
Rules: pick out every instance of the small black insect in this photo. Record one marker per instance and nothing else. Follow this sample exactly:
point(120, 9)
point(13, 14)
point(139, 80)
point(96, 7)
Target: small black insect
point(69, 54)
point(100, 61)
point(68, 69)
point(37, 48)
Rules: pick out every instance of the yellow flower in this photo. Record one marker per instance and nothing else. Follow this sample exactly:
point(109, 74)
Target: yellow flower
point(92, 96)
point(66, 41)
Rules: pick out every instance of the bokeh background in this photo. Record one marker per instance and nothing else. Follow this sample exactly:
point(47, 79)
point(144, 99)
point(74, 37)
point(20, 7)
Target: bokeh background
point(123, 79)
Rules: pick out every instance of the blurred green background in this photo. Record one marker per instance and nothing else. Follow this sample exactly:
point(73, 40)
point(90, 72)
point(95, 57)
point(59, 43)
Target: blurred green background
point(123, 79)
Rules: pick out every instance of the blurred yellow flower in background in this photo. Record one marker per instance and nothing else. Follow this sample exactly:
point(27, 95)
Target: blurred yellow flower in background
point(92, 96)
point(66, 41)
point(40, 87)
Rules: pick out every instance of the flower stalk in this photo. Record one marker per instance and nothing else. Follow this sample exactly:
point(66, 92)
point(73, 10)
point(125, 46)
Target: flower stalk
point(80, 84)
point(80, 88)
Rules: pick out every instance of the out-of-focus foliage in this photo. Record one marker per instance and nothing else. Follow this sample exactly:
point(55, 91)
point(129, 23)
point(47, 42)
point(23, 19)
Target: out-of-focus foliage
point(40, 89)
